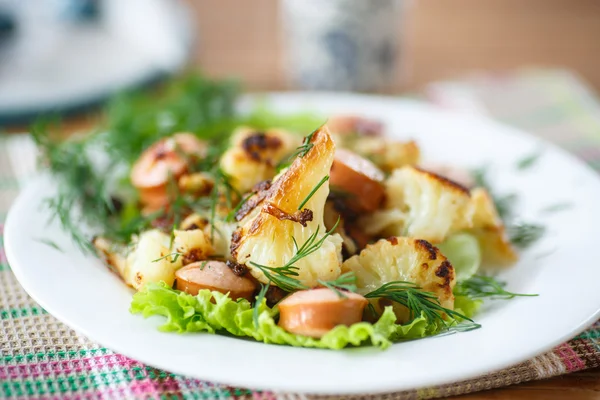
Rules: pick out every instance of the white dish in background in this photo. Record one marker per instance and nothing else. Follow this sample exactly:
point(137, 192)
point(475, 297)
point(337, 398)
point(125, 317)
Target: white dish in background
point(81, 292)
point(55, 66)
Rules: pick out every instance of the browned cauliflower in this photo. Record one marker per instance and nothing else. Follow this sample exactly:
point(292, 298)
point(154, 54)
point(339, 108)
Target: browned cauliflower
point(266, 231)
point(254, 155)
point(488, 228)
point(422, 205)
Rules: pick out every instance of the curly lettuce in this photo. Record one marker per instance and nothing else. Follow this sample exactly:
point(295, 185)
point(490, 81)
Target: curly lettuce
point(214, 312)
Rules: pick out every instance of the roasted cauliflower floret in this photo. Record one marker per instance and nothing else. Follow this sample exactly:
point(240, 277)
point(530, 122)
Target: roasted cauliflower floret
point(266, 232)
point(488, 228)
point(254, 155)
point(147, 262)
point(431, 206)
point(193, 245)
point(403, 259)
point(113, 254)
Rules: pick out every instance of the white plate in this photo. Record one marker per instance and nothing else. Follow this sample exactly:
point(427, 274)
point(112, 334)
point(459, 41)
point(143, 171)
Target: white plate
point(81, 292)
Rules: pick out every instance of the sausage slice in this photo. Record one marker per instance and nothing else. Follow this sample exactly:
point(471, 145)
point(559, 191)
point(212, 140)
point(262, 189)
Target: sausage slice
point(359, 178)
point(214, 275)
point(315, 312)
point(166, 158)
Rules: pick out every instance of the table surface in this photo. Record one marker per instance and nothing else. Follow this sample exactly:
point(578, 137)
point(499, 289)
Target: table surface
point(222, 54)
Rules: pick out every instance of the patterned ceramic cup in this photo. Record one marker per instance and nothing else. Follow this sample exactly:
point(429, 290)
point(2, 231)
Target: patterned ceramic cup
point(340, 44)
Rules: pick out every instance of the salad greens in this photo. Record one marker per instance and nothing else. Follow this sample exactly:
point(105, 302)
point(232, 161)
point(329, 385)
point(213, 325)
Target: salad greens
point(214, 312)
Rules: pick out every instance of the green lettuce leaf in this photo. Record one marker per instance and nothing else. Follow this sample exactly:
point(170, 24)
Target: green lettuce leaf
point(462, 249)
point(466, 305)
point(214, 312)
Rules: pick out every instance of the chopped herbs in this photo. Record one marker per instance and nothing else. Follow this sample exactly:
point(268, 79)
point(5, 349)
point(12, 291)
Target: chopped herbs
point(300, 152)
point(346, 281)
point(528, 161)
point(312, 192)
point(174, 257)
point(479, 287)
point(523, 235)
point(556, 208)
point(259, 300)
point(284, 277)
point(419, 302)
point(50, 243)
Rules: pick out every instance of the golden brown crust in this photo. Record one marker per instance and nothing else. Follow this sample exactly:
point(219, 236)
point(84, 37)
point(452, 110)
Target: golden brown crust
point(445, 181)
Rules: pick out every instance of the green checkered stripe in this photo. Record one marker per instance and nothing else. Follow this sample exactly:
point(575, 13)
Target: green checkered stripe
point(42, 358)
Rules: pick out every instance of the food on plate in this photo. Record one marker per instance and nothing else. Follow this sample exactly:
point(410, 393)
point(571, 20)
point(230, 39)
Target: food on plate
point(262, 226)
point(214, 275)
point(315, 312)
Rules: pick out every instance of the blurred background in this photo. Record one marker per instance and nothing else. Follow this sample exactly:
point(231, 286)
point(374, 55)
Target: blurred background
point(70, 55)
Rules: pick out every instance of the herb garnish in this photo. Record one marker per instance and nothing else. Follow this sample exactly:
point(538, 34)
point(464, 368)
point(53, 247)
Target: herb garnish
point(284, 276)
point(50, 243)
point(523, 235)
point(346, 281)
point(259, 300)
point(529, 160)
point(479, 286)
point(557, 207)
point(419, 302)
point(300, 152)
point(312, 192)
point(174, 256)
point(132, 123)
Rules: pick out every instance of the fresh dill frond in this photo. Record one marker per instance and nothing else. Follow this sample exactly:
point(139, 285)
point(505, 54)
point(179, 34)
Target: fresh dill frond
point(284, 276)
point(50, 243)
point(523, 235)
point(529, 160)
point(312, 192)
point(346, 281)
point(174, 257)
point(480, 286)
point(556, 208)
point(300, 151)
point(419, 302)
point(259, 300)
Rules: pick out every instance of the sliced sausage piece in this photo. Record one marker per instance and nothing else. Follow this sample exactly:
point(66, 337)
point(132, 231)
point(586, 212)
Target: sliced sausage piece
point(317, 311)
point(166, 158)
point(352, 124)
point(359, 178)
point(214, 275)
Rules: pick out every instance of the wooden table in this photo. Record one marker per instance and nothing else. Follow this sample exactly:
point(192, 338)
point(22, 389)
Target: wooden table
point(443, 39)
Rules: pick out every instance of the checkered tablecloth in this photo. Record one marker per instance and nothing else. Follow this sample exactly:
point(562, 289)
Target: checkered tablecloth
point(42, 358)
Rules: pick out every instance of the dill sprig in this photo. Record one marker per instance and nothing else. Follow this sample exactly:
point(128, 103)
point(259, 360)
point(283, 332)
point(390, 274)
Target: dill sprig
point(479, 286)
point(259, 300)
point(523, 235)
point(312, 192)
point(174, 257)
point(529, 160)
point(300, 151)
point(419, 302)
point(131, 123)
point(346, 281)
point(284, 276)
